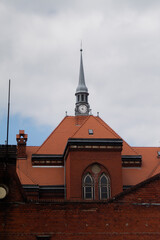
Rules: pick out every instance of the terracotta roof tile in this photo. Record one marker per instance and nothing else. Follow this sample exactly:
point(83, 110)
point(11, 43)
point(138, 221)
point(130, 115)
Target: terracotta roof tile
point(150, 166)
point(24, 179)
point(99, 131)
point(38, 175)
point(127, 149)
point(77, 127)
point(56, 142)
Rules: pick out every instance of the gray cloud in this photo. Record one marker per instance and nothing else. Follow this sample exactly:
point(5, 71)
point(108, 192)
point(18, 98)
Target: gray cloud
point(39, 47)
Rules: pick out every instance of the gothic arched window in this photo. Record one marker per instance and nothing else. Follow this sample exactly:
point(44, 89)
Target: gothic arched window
point(104, 187)
point(88, 187)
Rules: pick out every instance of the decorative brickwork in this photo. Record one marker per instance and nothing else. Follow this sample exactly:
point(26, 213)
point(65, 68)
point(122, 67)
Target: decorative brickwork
point(21, 143)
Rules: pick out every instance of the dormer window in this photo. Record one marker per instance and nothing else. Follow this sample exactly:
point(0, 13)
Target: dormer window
point(90, 131)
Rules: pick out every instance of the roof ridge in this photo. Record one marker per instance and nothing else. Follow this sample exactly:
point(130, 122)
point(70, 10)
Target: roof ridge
point(52, 133)
point(111, 130)
point(28, 176)
point(153, 170)
point(81, 125)
point(105, 125)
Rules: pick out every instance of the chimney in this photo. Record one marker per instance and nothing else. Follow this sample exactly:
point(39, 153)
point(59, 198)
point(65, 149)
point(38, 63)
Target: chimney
point(21, 144)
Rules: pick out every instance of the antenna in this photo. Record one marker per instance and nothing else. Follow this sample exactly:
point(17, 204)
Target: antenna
point(8, 111)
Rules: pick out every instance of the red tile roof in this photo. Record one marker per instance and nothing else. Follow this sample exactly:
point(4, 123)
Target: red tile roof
point(77, 127)
point(38, 175)
point(150, 166)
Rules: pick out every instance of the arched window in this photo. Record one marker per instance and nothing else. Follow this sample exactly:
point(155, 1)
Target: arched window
point(88, 187)
point(104, 187)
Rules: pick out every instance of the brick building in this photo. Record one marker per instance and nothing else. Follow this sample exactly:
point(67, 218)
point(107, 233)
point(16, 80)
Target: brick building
point(72, 185)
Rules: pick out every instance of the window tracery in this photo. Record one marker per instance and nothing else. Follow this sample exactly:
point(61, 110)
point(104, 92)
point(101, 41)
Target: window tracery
point(88, 187)
point(104, 187)
point(96, 183)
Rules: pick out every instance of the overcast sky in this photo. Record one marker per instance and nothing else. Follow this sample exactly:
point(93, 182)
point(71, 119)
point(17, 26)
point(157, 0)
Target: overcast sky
point(39, 52)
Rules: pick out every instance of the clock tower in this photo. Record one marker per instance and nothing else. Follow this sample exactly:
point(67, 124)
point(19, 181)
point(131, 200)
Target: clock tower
point(82, 106)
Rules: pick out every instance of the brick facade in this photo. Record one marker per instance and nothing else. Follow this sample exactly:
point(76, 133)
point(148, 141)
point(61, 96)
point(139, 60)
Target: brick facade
point(134, 214)
point(78, 162)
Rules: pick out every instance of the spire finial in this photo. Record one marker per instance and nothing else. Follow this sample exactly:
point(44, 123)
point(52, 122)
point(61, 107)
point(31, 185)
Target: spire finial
point(81, 85)
point(81, 47)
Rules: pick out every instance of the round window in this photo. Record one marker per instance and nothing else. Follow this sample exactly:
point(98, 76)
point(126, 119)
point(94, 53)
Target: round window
point(96, 169)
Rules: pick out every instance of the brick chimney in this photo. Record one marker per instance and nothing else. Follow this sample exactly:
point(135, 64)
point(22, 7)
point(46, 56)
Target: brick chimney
point(21, 144)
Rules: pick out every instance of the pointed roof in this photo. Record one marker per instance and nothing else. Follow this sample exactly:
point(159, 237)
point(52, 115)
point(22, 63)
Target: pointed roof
point(77, 127)
point(99, 131)
point(127, 149)
point(74, 127)
point(81, 85)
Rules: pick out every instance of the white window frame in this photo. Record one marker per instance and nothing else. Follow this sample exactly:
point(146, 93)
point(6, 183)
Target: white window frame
point(108, 187)
point(85, 186)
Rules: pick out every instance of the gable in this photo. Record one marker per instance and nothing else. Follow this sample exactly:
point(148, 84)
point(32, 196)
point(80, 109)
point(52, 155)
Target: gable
point(56, 142)
point(76, 127)
point(99, 131)
point(127, 149)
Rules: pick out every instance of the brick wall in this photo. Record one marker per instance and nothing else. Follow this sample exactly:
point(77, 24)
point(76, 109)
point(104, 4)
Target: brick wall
point(79, 221)
point(77, 162)
point(131, 215)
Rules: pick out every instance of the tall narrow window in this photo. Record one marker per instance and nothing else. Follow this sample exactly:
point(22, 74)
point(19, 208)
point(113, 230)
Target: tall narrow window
point(88, 187)
point(104, 187)
point(82, 98)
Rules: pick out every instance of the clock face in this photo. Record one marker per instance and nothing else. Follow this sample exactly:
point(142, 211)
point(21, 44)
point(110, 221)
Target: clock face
point(82, 108)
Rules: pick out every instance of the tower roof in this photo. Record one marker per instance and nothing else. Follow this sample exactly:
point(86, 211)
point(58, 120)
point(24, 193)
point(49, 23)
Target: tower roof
point(81, 84)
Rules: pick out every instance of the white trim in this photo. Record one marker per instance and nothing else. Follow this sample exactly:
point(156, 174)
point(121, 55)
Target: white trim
point(91, 186)
point(107, 185)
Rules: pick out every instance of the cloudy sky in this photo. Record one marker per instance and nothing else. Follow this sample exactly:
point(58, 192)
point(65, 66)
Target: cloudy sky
point(39, 52)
